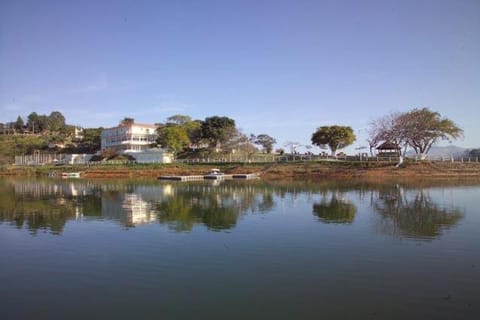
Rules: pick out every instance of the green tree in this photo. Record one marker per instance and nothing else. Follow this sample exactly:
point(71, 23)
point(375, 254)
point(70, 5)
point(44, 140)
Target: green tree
point(424, 127)
point(91, 141)
point(33, 122)
point(265, 141)
point(42, 123)
point(417, 128)
point(218, 130)
point(173, 137)
point(194, 131)
point(335, 137)
point(56, 121)
point(179, 119)
point(19, 124)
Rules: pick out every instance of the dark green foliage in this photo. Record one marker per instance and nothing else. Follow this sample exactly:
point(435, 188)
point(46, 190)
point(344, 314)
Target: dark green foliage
point(56, 121)
point(91, 140)
point(335, 211)
point(474, 153)
point(335, 137)
point(173, 137)
point(19, 124)
point(218, 130)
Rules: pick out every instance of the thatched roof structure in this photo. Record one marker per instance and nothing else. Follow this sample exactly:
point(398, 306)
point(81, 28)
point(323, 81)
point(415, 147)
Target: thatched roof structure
point(388, 146)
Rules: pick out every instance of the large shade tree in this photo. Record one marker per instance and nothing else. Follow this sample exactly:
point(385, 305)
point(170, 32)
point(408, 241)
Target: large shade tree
point(334, 137)
point(19, 124)
point(173, 137)
point(417, 128)
point(423, 128)
point(179, 132)
point(218, 130)
point(56, 121)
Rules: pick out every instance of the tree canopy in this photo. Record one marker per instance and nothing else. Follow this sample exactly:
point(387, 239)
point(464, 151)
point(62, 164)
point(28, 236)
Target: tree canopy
point(265, 141)
point(417, 128)
point(335, 137)
point(424, 127)
point(179, 119)
point(173, 137)
point(56, 121)
point(19, 124)
point(218, 130)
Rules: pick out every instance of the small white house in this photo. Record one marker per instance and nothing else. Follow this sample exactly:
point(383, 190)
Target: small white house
point(152, 155)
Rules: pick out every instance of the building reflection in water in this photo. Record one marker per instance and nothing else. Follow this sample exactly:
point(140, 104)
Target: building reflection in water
point(48, 204)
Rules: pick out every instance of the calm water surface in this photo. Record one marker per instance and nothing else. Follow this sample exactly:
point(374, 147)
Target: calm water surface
point(72, 249)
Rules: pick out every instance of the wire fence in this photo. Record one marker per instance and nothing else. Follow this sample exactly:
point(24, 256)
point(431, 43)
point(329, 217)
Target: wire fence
point(317, 158)
point(57, 159)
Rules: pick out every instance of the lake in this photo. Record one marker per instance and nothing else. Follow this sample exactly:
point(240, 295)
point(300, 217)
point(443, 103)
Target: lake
point(76, 249)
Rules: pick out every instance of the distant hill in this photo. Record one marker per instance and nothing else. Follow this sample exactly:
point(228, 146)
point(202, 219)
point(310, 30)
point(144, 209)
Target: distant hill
point(446, 151)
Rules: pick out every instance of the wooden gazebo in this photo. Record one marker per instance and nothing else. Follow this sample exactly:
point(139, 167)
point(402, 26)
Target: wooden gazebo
point(388, 149)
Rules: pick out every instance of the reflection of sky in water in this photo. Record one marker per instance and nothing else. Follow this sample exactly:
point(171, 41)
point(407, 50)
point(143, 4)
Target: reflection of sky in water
point(158, 246)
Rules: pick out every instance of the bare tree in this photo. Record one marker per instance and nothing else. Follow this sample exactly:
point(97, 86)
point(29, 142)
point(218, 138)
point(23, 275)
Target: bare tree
point(389, 128)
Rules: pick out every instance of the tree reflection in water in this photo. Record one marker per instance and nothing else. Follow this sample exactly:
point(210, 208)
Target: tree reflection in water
point(217, 207)
point(36, 206)
point(336, 209)
point(413, 214)
point(49, 204)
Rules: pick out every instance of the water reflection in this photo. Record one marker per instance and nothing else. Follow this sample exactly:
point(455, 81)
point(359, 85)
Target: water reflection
point(335, 209)
point(48, 204)
point(413, 213)
point(215, 206)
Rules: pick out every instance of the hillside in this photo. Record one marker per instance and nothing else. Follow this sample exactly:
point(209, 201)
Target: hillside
point(12, 145)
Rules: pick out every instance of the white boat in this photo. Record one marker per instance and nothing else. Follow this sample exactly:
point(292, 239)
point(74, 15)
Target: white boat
point(214, 174)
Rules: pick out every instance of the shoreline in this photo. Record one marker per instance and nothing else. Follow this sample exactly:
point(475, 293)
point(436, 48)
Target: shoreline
point(269, 171)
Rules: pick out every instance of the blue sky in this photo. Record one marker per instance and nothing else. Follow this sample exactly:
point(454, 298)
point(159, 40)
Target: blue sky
point(278, 67)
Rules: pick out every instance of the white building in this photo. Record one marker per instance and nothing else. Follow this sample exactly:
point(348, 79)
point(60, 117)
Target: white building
point(129, 137)
point(154, 155)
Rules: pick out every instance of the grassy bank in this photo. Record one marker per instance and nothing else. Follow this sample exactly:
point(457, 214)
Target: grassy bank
point(291, 170)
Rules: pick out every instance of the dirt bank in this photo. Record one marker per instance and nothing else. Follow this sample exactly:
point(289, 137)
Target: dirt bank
point(271, 171)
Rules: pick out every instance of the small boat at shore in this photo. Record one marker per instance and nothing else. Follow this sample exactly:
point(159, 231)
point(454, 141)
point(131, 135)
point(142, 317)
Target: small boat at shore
point(71, 174)
point(215, 172)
